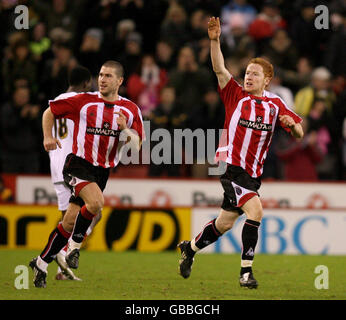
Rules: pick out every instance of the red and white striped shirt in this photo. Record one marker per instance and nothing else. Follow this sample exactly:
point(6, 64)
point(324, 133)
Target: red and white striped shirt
point(249, 127)
point(96, 132)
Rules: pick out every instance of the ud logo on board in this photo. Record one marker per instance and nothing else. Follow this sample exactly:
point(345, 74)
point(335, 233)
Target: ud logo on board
point(146, 229)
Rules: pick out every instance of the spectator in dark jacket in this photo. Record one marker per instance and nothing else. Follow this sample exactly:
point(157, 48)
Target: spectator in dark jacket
point(190, 81)
point(20, 125)
point(300, 157)
point(168, 115)
point(20, 65)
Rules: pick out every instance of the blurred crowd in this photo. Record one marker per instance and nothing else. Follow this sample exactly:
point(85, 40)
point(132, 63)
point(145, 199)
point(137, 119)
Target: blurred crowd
point(164, 48)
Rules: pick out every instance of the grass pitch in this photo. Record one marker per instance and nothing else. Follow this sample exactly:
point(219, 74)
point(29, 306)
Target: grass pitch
point(154, 276)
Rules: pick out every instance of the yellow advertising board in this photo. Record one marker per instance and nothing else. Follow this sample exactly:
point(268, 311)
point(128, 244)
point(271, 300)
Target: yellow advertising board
point(142, 229)
point(26, 226)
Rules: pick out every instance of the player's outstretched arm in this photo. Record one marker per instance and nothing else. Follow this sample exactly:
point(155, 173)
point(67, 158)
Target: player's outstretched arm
point(296, 128)
point(49, 142)
point(218, 62)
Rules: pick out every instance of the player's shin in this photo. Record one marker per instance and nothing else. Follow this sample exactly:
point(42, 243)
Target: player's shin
point(83, 222)
point(249, 239)
point(207, 236)
point(57, 240)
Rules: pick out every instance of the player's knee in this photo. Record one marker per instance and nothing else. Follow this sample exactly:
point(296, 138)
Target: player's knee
point(255, 215)
point(224, 225)
point(69, 219)
point(227, 226)
point(95, 205)
point(68, 225)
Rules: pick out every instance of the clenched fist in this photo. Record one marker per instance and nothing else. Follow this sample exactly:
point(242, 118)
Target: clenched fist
point(51, 143)
point(121, 120)
point(287, 121)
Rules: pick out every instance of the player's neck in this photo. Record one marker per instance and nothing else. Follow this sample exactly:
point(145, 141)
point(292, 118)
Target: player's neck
point(110, 97)
point(259, 93)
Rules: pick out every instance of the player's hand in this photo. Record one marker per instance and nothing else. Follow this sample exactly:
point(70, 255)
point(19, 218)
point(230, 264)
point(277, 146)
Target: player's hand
point(51, 143)
point(214, 29)
point(287, 121)
point(121, 120)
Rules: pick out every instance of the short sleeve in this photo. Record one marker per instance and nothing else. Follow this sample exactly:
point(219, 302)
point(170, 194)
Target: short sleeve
point(137, 125)
point(66, 108)
point(285, 110)
point(230, 94)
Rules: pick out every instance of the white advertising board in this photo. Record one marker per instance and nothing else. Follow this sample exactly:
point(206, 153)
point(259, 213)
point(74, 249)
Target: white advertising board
point(282, 231)
point(160, 192)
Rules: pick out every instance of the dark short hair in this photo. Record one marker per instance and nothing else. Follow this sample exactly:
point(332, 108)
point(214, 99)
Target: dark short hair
point(119, 70)
point(78, 76)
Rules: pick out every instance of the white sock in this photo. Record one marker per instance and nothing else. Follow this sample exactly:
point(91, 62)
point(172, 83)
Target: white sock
point(73, 245)
point(88, 231)
point(63, 253)
point(42, 265)
point(193, 246)
point(246, 263)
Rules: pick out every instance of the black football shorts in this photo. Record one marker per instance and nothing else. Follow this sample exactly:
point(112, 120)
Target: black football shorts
point(238, 188)
point(77, 169)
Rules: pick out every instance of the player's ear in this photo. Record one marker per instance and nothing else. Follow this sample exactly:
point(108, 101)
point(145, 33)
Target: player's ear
point(120, 81)
point(267, 81)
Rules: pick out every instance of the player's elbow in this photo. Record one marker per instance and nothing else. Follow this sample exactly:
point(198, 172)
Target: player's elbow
point(220, 70)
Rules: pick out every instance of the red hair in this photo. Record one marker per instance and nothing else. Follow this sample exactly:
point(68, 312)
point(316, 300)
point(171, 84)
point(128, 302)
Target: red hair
point(267, 67)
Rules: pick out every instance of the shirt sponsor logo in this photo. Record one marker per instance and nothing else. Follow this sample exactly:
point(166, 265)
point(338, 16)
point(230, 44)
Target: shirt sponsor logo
point(104, 131)
point(258, 125)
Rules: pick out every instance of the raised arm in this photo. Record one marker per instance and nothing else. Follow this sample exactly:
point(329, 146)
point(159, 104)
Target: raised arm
point(218, 62)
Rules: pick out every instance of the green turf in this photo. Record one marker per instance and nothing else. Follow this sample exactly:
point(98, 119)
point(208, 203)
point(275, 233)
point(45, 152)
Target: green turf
point(154, 276)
